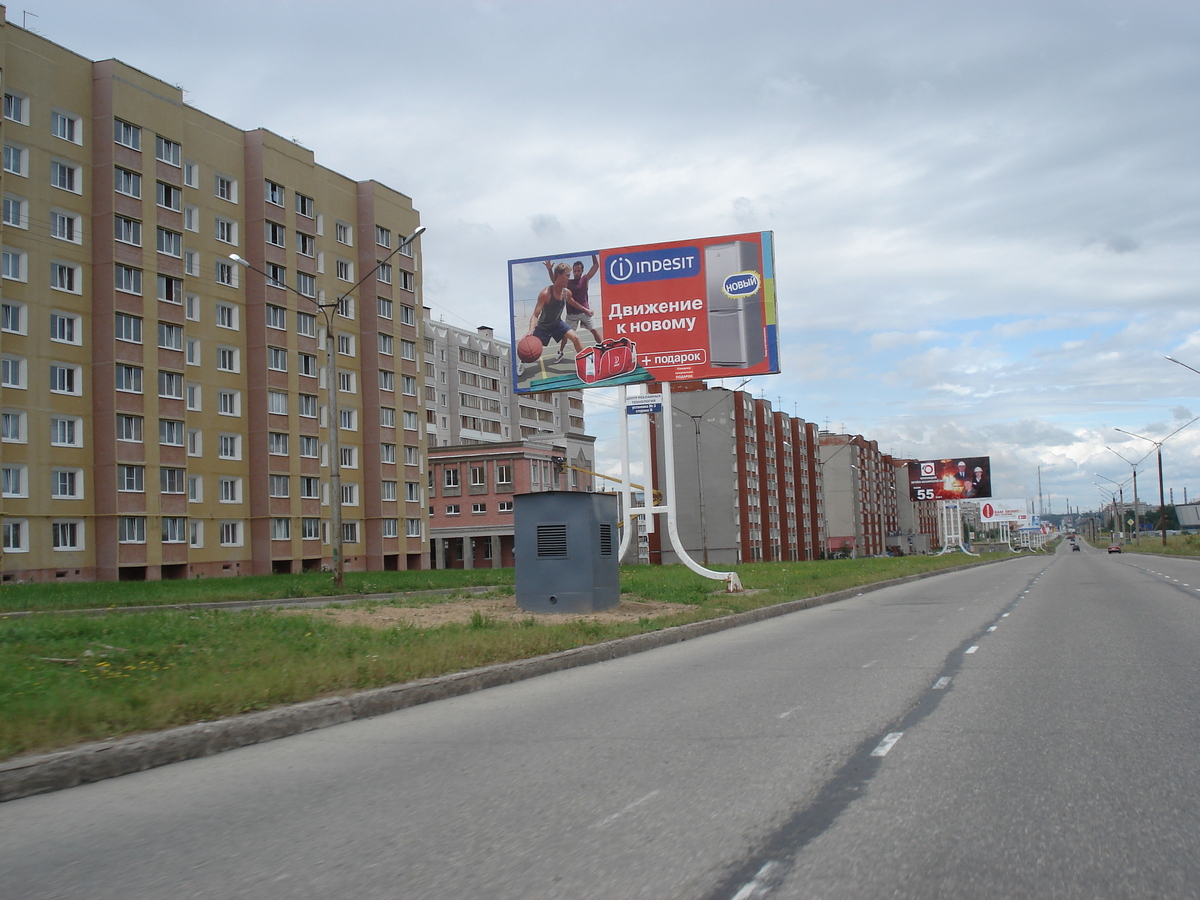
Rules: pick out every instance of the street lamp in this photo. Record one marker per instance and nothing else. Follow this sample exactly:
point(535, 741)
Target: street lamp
point(1162, 505)
point(1137, 523)
point(1120, 487)
point(331, 390)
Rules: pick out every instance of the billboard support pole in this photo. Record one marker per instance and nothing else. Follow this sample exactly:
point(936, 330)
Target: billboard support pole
point(732, 582)
point(950, 519)
point(626, 492)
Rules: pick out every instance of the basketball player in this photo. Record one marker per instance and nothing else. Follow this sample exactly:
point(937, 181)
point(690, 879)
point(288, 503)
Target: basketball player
point(578, 311)
point(546, 324)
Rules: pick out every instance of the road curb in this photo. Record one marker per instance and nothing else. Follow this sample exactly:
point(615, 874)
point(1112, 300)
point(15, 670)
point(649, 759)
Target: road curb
point(87, 763)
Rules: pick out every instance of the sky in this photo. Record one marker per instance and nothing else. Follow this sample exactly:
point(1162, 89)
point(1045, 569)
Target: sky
point(986, 215)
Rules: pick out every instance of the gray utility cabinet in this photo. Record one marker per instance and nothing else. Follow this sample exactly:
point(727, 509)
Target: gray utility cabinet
point(566, 547)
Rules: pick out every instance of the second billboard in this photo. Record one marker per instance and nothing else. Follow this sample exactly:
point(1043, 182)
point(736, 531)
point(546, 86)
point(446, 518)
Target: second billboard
point(676, 311)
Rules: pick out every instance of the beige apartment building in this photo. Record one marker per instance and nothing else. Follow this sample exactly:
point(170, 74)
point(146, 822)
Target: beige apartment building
point(164, 409)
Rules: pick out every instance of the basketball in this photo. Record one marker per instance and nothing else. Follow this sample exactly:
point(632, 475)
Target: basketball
point(529, 348)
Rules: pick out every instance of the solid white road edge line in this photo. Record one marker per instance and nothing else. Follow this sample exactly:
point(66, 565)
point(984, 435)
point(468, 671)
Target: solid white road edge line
point(617, 815)
point(972, 649)
point(750, 888)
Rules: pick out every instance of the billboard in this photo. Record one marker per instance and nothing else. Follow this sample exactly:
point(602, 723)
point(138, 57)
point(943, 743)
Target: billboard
point(675, 311)
point(957, 478)
point(1004, 511)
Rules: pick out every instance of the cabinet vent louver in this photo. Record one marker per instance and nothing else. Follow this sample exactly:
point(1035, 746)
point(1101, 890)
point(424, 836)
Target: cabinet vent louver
point(606, 541)
point(552, 540)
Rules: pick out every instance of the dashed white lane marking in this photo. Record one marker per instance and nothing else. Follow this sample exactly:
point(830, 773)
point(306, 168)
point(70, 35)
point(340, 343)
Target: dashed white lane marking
point(887, 744)
point(993, 628)
point(1005, 616)
point(913, 638)
point(871, 663)
point(784, 715)
point(631, 806)
point(961, 608)
point(942, 683)
point(757, 886)
point(972, 649)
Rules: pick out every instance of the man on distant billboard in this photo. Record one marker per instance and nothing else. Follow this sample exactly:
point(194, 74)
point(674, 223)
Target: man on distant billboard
point(579, 312)
point(950, 479)
point(546, 324)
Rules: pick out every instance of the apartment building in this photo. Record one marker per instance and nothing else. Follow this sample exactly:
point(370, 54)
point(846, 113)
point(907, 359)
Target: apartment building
point(747, 480)
point(860, 494)
point(164, 408)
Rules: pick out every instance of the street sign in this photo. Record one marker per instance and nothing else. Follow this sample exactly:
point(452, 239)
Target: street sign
point(643, 404)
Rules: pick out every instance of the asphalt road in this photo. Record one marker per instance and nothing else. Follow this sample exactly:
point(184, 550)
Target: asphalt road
point(1029, 729)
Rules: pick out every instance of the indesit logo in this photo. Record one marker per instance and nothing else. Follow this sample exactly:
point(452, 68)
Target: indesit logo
point(652, 265)
point(741, 284)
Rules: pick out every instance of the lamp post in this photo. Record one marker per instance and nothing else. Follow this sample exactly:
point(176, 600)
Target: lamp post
point(1162, 506)
point(1137, 522)
point(1121, 488)
point(328, 311)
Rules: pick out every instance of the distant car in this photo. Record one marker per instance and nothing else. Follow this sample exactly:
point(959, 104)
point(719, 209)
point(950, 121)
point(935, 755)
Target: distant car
point(1114, 548)
point(1075, 548)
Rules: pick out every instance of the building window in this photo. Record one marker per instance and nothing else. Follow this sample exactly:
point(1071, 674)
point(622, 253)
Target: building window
point(65, 329)
point(306, 284)
point(12, 317)
point(231, 534)
point(16, 108)
point(227, 359)
point(308, 446)
point(16, 535)
point(344, 234)
point(306, 324)
point(504, 473)
point(349, 419)
point(16, 160)
point(230, 446)
point(229, 490)
point(66, 176)
point(350, 494)
point(412, 528)
point(310, 529)
point(478, 476)
point(281, 529)
point(195, 442)
point(504, 506)
point(385, 308)
point(408, 315)
point(478, 509)
point(127, 279)
point(14, 481)
point(226, 231)
point(307, 364)
point(127, 231)
point(277, 359)
point(14, 266)
point(131, 530)
point(170, 432)
point(127, 135)
point(194, 392)
point(276, 317)
point(350, 532)
point(277, 403)
point(345, 344)
point(167, 151)
point(127, 182)
point(307, 405)
point(407, 281)
point(191, 174)
point(170, 337)
point(452, 509)
point(408, 385)
point(276, 276)
point(12, 372)
point(174, 529)
point(66, 431)
point(66, 226)
point(129, 428)
point(192, 355)
point(275, 193)
point(275, 234)
point(387, 454)
point(191, 307)
point(226, 273)
point(227, 316)
point(170, 290)
point(66, 484)
point(131, 479)
point(305, 206)
point(280, 486)
point(310, 487)
point(191, 263)
point(229, 403)
point(66, 126)
point(384, 273)
point(349, 456)
point(346, 382)
point(277, 443)
point(65, 277)
point(345, 307)
point(168, 196)
point(383, 236)
point(226, 188)
point(66, 379)
point(345, 270)
point(306, 244)
point(387, 417)
point(171, 480)
point(450, 477)
point(410, 421)
point(196, 533)
point(170, 384)
point(16, 212)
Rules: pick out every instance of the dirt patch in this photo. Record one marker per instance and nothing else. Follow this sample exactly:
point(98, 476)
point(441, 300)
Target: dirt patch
point(498, 610)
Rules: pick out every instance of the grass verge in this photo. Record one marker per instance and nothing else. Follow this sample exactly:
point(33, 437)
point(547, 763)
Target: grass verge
point(71, 679)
